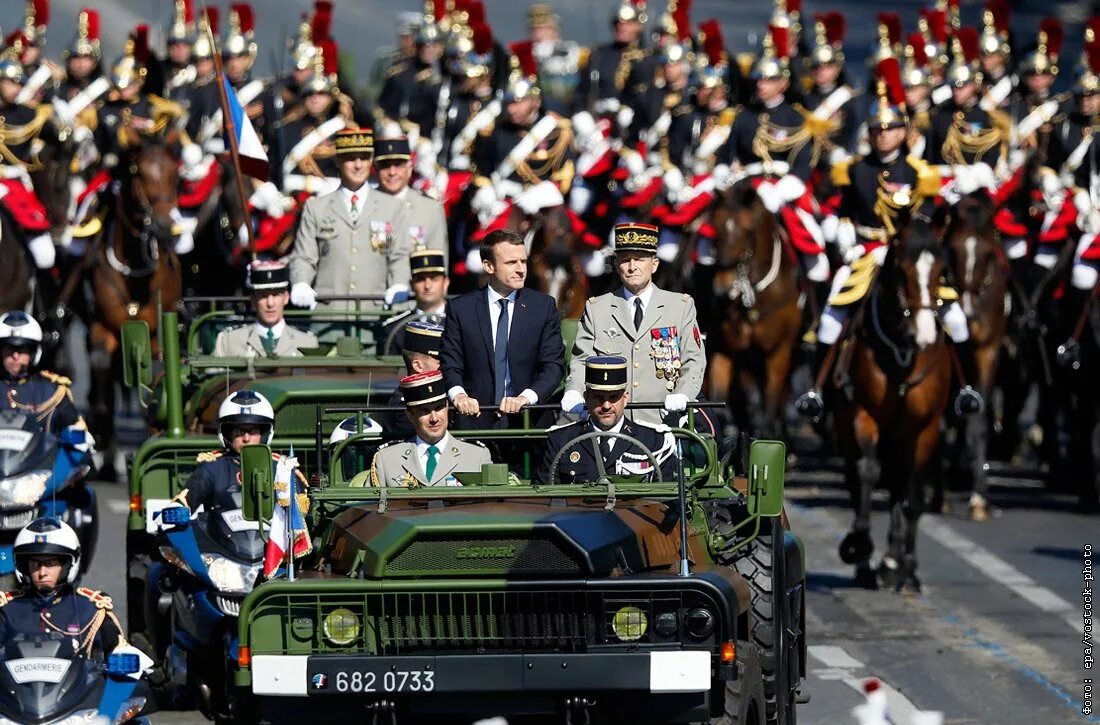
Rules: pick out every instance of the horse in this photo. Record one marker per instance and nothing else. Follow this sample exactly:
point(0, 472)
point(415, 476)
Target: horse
point(16, 273)
point(757, 313)
point(981, 272)
point(553, 262)
point(888, 428)
point(218, 218)
point(135, 273)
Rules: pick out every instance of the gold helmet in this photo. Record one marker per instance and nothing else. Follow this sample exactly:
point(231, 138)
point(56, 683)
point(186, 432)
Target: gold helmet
point(712, 64)
point(241, 39)
point(35, 21)
point(788, 14)
point(888, 109)
point(915, 71)
point(630, 10)
point(311, 31)
point(523, 79)
point(934, 29)
point(205, 43)
point(129, 68)
point(437, 22)
point(541, 14)
point(1043, 58)
point(326, 62)
point(828, 39)
point(477, 60)
point(182, 29)
point(774, 61)
point(86, 40)
point(889, 37)
point(1088, 79)
point(964, 67)
point(995, 20)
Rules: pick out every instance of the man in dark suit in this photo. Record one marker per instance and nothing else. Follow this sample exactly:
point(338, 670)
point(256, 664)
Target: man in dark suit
point(502, 344)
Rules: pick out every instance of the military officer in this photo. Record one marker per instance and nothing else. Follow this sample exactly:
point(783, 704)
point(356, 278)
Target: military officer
point(657, 332)
point(421, 217)
point(603, 77)
point(434, 456)
point(82, 69)
point(605, 399)
point(202, 97)
point(177, 70)
point(269, 335)
point(239, 54)
point(1038, 72)
point(411, 89)
point(47, 567)
point(420, 342)
point(560, 61)
point(429, 287)
point(391, 57)
point(45, 396)
point(829, 98)
point(996, 52)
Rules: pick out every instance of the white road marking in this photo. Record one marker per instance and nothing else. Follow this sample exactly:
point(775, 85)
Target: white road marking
point(841, 666)
point(118, 507)
point(1002, 572)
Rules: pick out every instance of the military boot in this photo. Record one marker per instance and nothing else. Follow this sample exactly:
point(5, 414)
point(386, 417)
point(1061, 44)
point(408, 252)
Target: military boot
point(969, 401)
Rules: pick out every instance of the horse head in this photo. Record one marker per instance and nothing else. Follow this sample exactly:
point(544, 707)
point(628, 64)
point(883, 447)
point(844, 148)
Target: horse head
point(972, 244)
point(745, 234)
point(913, 269)
point(149, 175)
point(52, 178)
point(554, 238)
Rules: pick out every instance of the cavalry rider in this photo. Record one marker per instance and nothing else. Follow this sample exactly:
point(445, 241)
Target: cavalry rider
point(1038, 71)
point(40, 71)
point(287, 92)
point(525, 158)
point(82, 66)
point(996, 52)
point(239, 56)
point(245, 418)
point(879, 193)
point(559, 61)
point(829, 99)
point(410, 92)
point(45, 396)
point(603, 77)
point(918, 93)
point(20, 128)
point(389, 57)
point(47, 567)
point(606, 396)
point(270, 335)
point(202, 98)
point(177, 70)
point(771, 144)
point(434, 456)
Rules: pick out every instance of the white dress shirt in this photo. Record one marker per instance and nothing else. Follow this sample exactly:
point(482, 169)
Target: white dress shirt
point(494, 317)
point(360, 197)
point(645, 296)
point(276, 329)
point(422, 451)
point(617, 428)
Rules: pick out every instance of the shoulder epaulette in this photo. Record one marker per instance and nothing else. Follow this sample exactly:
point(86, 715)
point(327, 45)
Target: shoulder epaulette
point(840, 174)
point(209, 456)
point(726, 117)
point(562, 426)
point(99, 599)
point(928, 178)
point(55, 378)
point(6, 597)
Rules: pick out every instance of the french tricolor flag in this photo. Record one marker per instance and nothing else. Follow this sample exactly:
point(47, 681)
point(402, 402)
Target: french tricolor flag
point(252, 155)
point(287, 524)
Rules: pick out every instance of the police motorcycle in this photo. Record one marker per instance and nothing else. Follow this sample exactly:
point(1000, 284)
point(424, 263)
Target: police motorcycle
point(43, 475)
point(209, 561)
point(48, 677)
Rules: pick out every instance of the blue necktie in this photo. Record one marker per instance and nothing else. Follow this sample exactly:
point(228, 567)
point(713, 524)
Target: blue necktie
point(500, 359)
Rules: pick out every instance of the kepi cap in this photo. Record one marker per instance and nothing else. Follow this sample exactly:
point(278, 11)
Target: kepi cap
point(636, 237)
point(268, 275)
point(425, 261)
point(605, 372)
point(423, 388)
point(393, 147)
point(354, 141)
point(423, 337)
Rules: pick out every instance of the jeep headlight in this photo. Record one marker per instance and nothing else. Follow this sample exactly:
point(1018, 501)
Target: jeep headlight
point(341, 626)
point(230, 576)
point(629, 624)
point(24, 490)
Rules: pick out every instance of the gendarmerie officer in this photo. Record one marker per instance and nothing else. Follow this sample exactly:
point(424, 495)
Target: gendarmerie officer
point(45, 396)
point(429, 288)
point(420, 348)
point(656, 331)
point(269, 335)
point(605, 398)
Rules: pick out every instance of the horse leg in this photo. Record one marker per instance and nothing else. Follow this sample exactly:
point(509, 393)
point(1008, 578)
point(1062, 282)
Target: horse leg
point(101, 350)
point(859, 442)
point(777, 369)
point(913, 505)
point(977, 436)
point(719, 379)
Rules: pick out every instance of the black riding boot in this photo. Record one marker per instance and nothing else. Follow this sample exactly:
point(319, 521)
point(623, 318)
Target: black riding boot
point(969, 401)
point(811, 404)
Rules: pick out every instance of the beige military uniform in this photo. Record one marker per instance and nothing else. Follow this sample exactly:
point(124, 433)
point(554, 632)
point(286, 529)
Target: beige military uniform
point(421, 220)
point(337, 256)
point(398, 464)
point(247, 341)
point(664, 356)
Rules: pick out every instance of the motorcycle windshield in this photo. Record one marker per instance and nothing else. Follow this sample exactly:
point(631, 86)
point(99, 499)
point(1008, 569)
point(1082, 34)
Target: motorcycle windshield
point(43, 678)
point(24, 445)
point(232, 535)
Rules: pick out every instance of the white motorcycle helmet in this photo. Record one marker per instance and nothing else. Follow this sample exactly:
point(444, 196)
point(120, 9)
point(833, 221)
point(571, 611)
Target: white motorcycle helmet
point(19, 329)
point(245, 407)
point(47, 536)
point(349, 427)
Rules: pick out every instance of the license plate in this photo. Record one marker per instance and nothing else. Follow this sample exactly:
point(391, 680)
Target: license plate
point(360, 676)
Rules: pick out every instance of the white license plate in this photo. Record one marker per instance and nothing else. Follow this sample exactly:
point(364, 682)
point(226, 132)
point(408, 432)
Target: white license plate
point(367, 681)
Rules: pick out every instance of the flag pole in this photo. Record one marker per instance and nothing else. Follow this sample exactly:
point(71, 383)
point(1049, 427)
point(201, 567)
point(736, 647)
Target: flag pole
point(231, 133)
point(291, 534)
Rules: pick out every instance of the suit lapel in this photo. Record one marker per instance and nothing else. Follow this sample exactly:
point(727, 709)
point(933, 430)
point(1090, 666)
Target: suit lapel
point(411, 462)
point(339, 207)
point(481, 310)
point(652, 310)
point(621, 314)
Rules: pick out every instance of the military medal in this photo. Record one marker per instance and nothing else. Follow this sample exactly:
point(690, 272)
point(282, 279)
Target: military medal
point(665, 351)
point(417, 233)
point(380, 233)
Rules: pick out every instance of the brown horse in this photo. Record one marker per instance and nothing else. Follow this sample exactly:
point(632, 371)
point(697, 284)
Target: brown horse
point(135, 273)
point(889, 428)
point(981, 273)
point(17, 271)
point(553, 262)
point(757, 314)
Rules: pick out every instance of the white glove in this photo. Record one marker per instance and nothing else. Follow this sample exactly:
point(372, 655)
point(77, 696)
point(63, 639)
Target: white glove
point(191, 155)
point(584, 127)
point(1082, 202)
point(268, 199)
point(984, 177)
point(852, 253)
point(596, 264)
point(580, 197)
point(666, 251)
point(965, 182)
point(396, 294)
point(572, 402)
point(474, 265)
point(42, 250)
point(675, 186)
point(624, 117)
point(460, 162)
point(676, 402)
point(483, 199)
point(544, 195)
point(1090, 223)
point(606, 105)
point(634, 163)
point(723, 177)
point(829, 227)
point(790, 188)
point(770, 197)
point(302, 295)
point(845, 236)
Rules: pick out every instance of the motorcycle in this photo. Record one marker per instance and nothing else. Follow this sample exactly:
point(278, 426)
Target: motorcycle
point(43, 680)
point(207, 565)
point(43, 475)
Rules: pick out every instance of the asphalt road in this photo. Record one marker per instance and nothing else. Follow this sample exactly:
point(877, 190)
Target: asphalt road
point(995, 637)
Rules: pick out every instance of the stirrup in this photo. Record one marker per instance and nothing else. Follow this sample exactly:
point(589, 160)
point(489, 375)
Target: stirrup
point(968, 402)
point(810, 406)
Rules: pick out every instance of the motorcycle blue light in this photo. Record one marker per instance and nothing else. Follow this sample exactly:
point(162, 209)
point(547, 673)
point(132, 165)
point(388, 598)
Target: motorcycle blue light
point(123, 663)
point(175, 516)
point(73, 437)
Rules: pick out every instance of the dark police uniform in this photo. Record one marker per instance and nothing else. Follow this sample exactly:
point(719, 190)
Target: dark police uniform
point(46, 396)
point(216, 483)
point(967, 135)
point(605, 74)
point(410, 94)
point(78, 613)
point(20, 126)
point(762, 134)
point(552, 159)
point(147, 114)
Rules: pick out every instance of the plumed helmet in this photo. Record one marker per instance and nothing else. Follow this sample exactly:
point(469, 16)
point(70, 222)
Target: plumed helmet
point(19, 329)
point(246, 407)
point(47, 536)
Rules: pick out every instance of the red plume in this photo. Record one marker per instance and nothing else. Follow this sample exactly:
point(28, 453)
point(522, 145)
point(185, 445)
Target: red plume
point(968, 41)
point(1053, 29)
point(682, 17)
point(713, 43)
point(1092, 55)
point(920, 54)
point(188, 11)
point(1000, 12)
point(439, 9)
point(892, 23)
point(212, 19)
point(320, 27)
point(475, 13)
point(835, 27)
point(141, 43)
point(780, 36)
point(483, 38)
point(937, 25)
point(889, 72)
point(93, 23)
point(331, 54)
point(794, 7)
point(524, 54)
point(1092, 28)
point(16, 36)
point(41, 13)
point(244, 15)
